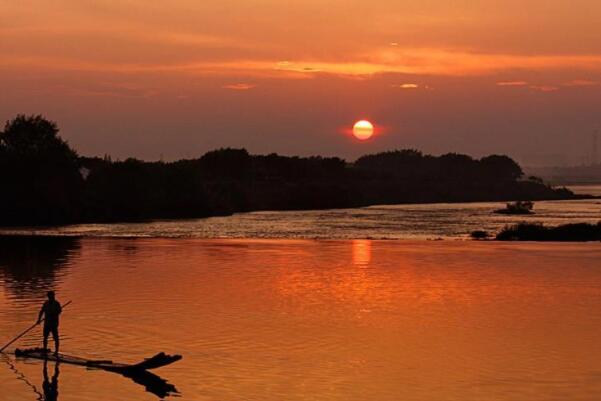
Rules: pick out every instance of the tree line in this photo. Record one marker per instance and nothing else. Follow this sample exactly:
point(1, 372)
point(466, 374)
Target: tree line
point(45, 182)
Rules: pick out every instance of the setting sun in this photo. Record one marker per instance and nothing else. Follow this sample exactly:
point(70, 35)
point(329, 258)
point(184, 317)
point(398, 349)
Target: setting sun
point(363, 130)
point(262, 182)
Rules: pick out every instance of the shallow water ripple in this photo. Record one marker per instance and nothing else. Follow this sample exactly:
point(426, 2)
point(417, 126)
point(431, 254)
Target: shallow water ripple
point(322, 320)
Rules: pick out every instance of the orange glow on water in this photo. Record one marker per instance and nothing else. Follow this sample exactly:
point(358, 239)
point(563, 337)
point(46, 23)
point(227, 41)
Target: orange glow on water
point(361, 252)
point(371, 315)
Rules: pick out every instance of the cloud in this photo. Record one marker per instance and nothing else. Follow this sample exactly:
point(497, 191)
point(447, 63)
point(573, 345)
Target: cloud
point(132, 31)
point(239, 86)
point(544, 88)
point(512, 83)
point(431, 62)
point(549, 88)
point(582, 82)
point(104, 89)
point(442, 62)
point(405, 86)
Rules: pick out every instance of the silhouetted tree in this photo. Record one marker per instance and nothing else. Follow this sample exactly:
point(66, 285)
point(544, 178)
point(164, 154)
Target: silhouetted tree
point(226, 163)
point(35, 138)
point(399, 162)
point(501, 167)
point(39, 172)
point(42, 184)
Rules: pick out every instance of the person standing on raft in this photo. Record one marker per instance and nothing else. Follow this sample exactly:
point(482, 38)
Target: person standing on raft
point(50, 311)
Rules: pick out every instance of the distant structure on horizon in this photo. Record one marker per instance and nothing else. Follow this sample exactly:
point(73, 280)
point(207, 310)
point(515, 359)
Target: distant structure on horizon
point(587, 171)
point(587, 157)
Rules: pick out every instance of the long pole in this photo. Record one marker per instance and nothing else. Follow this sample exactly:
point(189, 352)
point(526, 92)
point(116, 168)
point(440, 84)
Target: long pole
point(27, 331)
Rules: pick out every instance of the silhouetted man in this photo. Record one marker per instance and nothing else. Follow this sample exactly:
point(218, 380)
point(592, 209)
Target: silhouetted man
point(51, 311)
point(50, 387)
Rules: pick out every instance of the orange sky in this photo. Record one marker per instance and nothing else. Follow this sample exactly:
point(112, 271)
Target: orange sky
point(146, 78)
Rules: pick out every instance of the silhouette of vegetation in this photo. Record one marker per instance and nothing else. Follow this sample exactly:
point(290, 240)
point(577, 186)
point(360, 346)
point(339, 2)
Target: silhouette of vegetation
point(39, 174)
point(479, 234)
point(46, 183)
point(518, 207)
point(538, 232)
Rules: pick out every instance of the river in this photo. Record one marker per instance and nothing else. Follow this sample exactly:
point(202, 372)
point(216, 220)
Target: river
point(344, 320)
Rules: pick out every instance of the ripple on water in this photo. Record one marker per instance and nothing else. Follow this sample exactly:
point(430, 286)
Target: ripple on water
point(324, 320)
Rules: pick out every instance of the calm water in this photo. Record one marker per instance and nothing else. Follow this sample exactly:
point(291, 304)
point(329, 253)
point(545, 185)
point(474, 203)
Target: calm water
point(312, 320)
point(426, 221)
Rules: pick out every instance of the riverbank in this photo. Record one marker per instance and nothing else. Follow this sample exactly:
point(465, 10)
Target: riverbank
point(451, 221)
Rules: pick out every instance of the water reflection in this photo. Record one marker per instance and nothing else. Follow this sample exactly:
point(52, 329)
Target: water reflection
point(361, 252)
point(50, 386)
point(20, 376)
point(30, 266)
point(152, 383)
point(326, 320)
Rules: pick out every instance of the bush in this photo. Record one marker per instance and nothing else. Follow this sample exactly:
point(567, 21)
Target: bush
point(538, 232)
point(479, 234)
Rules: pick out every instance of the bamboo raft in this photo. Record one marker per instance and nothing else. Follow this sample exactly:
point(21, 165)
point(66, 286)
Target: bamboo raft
point(159, 360)
point(137, 372)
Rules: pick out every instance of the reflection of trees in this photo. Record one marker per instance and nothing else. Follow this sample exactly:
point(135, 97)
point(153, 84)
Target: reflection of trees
point(31, 265)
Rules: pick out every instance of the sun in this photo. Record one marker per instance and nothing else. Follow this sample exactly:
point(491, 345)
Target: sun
point(363, 130)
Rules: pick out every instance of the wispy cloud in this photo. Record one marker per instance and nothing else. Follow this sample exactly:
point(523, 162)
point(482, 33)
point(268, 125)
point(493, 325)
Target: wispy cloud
point(405, 86)
point(239, 86)
point(582, 82)
point(439, 62)
point(512, 83)
point(544, 88)
point(127, 32)
point(549, 87)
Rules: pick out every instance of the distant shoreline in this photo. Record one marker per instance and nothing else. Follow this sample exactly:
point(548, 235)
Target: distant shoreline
point(46, 183)
point(158, 220)
point(436, 221)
